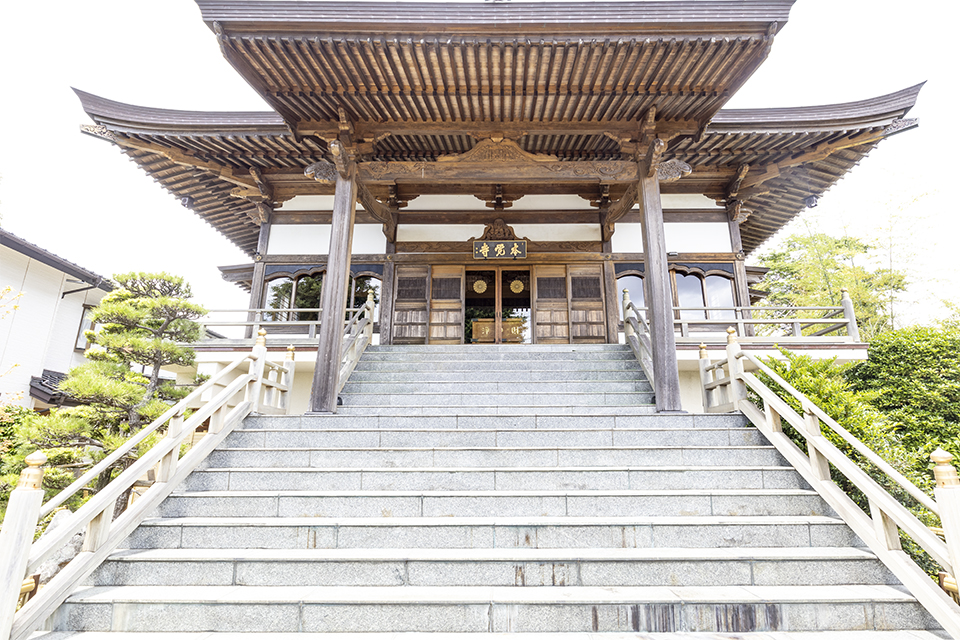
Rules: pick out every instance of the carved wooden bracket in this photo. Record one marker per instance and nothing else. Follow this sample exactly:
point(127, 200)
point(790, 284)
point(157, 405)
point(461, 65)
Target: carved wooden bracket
point(498, 231)
point(673, 170)
point(737, 212)
point(611, 213)
point(322, 171)
point(497, 150)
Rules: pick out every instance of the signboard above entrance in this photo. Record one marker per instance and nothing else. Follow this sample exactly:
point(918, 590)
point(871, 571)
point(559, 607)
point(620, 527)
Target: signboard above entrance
point(492, 249)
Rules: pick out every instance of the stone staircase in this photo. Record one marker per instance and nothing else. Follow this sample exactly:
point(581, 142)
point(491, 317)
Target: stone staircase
point(494, 489)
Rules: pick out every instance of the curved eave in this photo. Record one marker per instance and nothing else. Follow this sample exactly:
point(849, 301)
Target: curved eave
point(482, 18)
point(120, 116)
point(877, 111)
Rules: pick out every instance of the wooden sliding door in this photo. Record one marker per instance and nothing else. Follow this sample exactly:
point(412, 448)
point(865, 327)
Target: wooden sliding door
point(410, 306)
point(446, 304)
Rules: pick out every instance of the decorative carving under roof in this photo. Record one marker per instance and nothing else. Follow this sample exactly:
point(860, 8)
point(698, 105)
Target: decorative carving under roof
point(499, 230)
point(98, 130)
point(322, 171)
point(673, 170)
point(497, 150)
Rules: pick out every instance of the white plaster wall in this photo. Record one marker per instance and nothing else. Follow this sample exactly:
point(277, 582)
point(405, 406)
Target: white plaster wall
point(311, 239)
point(687, 201)
point(438, 232)
point(682, 237)
point(314, 239)
point(627, 238)
point(25, 332)
point(697, 237)
point(558, 232)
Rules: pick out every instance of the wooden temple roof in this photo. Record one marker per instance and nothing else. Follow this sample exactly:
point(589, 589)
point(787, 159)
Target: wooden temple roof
point(792, 154)
point(449, 62)
point(408, 86)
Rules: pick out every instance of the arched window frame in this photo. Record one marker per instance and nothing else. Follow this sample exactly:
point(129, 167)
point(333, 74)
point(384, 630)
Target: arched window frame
point(702, 276)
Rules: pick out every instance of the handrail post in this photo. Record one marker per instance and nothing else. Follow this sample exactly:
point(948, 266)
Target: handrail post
point(289, 364)
point(369, 315)
point(706, 377)
point(738, 390)
point(849, 315)
point(256, 368)
point(819, 464)
point(19, 525)
point(947, 493)
point(628, 313)
point(168, 464)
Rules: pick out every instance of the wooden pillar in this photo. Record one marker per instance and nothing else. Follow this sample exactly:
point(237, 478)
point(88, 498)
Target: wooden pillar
point(387, 295)
point(612, 302)
point(659, 297)
point(259, 273)
point(740, 272)
point(334, 294)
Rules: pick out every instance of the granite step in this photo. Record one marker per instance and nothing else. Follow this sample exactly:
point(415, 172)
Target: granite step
point(511, 609)
point(402, 418)
point(742, 566)
point(683, 635)
point(485, 479)
point(204, 532)
point(467, 365)
point(372, 504)
point(458, 457)
point(544, 398)
point(589, 432)
point(467, 375)
point(475, 387)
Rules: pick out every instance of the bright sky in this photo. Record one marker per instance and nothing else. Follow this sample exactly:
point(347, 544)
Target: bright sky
point(80, 198)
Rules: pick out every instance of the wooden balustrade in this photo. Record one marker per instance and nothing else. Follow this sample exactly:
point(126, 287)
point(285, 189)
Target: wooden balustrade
point(725, 385)
point(358, 335)
point(225, 400)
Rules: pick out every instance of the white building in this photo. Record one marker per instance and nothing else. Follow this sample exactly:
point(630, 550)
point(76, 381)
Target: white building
point(44, 337)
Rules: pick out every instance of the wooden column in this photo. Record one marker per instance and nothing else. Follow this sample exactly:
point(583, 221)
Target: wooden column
point(659, 297)
point(740, 271)
point(612, 302)
point(387, 295)
point(334, 295)
point(259, 271)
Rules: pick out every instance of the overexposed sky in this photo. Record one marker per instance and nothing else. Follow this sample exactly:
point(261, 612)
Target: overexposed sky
point(80, 198)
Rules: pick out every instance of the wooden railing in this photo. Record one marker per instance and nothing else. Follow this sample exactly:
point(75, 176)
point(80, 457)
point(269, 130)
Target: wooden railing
point(357, 336)
point(725, 386)
point(277, 321)
point(637, 334)
point(224, 401)
point(770, 322)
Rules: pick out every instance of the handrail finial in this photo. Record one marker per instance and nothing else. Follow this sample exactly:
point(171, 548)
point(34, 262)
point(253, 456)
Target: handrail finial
point(262, 338)
point(944, 472)
point(731, 335)
point(32, 476)
point(703, 351)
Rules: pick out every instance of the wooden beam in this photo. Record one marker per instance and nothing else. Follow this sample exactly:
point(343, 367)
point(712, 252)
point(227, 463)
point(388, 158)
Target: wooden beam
point(185, 159)
point(381, 212)
point(612, 213)
point(376, 131)
point(547, 172)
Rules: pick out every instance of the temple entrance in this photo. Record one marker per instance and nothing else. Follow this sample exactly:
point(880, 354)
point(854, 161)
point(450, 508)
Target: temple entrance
point(457, 304)
point(497, 306)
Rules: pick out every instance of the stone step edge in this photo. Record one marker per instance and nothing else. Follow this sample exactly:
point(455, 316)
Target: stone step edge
point(442, 635)
point(487, 469)
point(666, 447)
point(498, 554)
point(582, 493)
point(417, 595)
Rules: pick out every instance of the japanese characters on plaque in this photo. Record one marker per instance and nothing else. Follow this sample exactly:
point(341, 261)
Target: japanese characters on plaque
point(493, 249)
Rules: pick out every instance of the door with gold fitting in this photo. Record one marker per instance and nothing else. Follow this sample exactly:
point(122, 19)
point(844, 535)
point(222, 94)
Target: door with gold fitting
point(497, 306)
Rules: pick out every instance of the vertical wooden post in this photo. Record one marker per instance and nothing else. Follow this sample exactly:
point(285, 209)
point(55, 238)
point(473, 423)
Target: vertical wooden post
point(706, 377)
point(628, 329)
point(19, 524)
point(386, 297)
point(290, 365)
point(737, 390)
point(256, 368)
point(947, 493)
point(168, 463)
point(740, 278)
point(610, 302)
point(849, 315)
point(259, 274)
point(334, 296)
point(658, 294)
point(819, 464)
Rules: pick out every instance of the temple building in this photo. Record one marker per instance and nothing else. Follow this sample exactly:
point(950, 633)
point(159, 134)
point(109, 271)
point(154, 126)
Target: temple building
point(500, 172)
